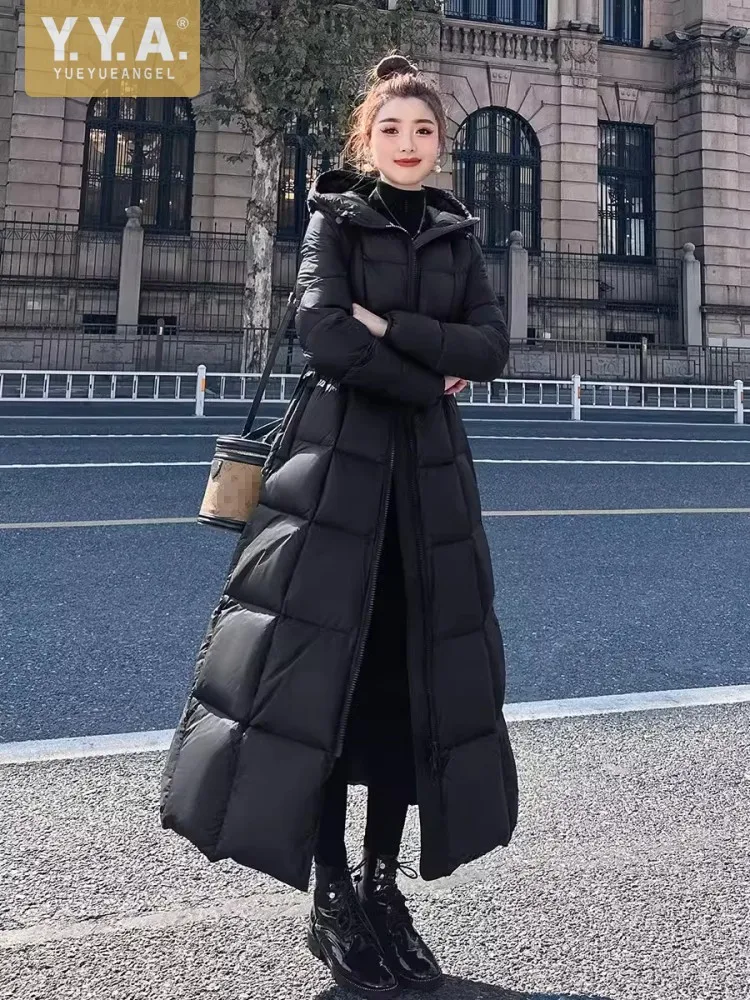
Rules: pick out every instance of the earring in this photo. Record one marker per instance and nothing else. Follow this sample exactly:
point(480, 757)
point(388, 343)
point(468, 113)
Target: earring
point(438, 168)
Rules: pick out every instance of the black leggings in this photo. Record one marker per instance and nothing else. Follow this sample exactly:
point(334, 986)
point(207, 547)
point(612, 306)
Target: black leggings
point(386, 815)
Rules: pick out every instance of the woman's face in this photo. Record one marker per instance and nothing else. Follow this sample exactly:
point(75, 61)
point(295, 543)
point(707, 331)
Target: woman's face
point(404, 142)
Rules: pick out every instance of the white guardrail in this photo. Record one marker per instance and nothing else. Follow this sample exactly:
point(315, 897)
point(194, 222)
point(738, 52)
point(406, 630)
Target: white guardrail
point(197, 387)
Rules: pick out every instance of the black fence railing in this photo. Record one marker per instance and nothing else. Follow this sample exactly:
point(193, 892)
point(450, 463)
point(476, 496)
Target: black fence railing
point(579, 296)
point(625, 362)
point(54, 274)
point(196, 281)
point(140, 349)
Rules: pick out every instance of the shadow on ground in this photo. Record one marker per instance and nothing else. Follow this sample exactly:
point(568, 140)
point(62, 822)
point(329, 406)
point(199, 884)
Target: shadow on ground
point(468, 989)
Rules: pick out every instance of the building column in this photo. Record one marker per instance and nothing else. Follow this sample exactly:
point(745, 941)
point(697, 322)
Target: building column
point(579, 140)
point(711, 209)
point(8, 49)
point(131, 263)
point(691, 320)
point(517, 288)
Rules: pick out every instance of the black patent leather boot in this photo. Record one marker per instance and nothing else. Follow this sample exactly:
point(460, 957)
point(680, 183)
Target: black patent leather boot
point(408, 957)
point(340, 935)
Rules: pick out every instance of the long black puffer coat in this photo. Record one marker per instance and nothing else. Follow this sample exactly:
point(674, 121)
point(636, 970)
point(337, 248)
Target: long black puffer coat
point(370, 425)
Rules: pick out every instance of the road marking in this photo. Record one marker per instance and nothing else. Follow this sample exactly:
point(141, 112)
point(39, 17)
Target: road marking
point(586, 461)
point(559, 437)
point(88, 437)
point(636, 702)
point(615, 511)
point(642, 511)
point(471, 437)
point(95, 465)
point(29, 751)
point(500, 418)
point(11, 525)
point(484, 461)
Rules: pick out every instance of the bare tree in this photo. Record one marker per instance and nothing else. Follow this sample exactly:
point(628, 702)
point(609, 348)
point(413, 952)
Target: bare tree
point(277, 61)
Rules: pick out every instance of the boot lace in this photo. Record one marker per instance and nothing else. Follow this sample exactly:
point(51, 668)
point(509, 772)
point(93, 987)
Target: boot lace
point(349, 915)
point(385, 887)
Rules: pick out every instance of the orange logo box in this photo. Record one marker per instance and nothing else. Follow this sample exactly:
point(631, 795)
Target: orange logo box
point(138, 48)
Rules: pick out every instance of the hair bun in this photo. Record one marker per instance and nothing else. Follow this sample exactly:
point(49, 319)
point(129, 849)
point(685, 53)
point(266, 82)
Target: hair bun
point(394, 66)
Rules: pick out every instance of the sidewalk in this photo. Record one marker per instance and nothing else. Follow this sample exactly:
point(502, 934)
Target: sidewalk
point(627, 879)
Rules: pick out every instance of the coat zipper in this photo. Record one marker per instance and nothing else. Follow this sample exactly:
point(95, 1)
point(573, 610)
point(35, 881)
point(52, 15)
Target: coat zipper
point(434, 753)
point(368, 613)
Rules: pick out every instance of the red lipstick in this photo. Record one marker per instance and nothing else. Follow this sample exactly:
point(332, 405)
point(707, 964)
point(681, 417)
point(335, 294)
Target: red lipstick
point(407, 163)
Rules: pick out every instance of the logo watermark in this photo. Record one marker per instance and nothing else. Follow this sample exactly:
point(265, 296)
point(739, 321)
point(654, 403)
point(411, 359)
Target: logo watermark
point(142, 48)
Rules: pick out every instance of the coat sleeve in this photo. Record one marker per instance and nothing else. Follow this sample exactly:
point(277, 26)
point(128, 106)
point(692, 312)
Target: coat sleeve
point(340, 347)
point(476, 349)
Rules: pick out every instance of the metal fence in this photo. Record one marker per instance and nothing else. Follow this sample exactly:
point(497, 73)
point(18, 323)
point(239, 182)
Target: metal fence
point(58, 306)
point(630, 362)
point(52, 274)
point(578, 296)
point(195, 281)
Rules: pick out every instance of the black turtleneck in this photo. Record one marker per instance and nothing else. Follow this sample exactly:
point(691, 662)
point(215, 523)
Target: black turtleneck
point(405, 206)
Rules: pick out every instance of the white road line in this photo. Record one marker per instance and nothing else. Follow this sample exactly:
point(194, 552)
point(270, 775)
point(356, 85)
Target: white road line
point(606, 511)
point(471, 437)
point(484, 461)
point(585, 461)
point(95, 465)
point(29, 751)
point(94, 437)
point(642, 701)
point(18, 525)
point(614, 511)
point(558, 437)
point(501, 418)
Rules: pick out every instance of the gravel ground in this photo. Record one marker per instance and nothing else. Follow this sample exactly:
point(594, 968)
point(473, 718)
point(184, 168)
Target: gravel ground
point(627, 879)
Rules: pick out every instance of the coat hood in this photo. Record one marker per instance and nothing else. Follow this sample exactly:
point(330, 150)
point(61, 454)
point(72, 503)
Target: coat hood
point(348, 195)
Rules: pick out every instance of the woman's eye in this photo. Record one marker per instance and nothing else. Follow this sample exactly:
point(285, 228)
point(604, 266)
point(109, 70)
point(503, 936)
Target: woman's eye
point(392, 130)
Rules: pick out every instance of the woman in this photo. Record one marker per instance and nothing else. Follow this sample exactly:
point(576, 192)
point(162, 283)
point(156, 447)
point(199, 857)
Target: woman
point(356, 640)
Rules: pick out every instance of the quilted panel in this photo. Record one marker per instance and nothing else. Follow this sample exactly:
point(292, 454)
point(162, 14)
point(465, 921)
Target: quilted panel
point(231, 667)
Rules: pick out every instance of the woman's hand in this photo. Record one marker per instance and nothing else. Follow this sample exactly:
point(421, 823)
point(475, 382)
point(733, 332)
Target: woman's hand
point(377, 327)
point(375, 324)
point(454, 385)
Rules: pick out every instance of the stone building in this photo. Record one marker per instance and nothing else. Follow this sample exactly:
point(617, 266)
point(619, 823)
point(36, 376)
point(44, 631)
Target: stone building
point(608, 133)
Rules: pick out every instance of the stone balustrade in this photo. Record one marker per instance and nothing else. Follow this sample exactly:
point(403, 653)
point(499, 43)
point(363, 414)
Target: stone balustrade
point(498, 41)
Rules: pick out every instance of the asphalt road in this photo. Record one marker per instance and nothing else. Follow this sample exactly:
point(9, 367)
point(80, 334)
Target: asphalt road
point(103, 621)
point(628, 875)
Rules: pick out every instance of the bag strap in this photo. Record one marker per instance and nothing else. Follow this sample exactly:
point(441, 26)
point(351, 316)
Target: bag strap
point(291, 308)
point(289, 312)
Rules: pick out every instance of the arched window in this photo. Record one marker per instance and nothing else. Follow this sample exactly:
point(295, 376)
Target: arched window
point(496, 174)
point(302, 162)
point(138, 151)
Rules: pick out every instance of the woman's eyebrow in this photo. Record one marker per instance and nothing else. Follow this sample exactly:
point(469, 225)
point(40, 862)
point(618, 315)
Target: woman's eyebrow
point(417, 121)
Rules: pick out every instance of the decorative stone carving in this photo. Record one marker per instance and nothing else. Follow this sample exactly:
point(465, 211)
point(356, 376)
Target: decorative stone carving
point(626, 99)
point(579, 57)
point(606, 368)
point(532, 364)
point(674, 368)
point(500, 75)
point(134, 214)
point(707, 58)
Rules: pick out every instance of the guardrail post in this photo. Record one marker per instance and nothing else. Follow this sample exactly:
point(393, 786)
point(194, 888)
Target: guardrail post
point(576, 398)
point(739, 405)
point(200, 391)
